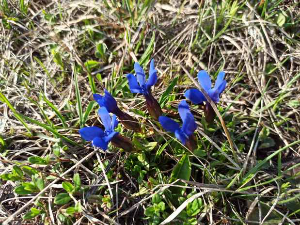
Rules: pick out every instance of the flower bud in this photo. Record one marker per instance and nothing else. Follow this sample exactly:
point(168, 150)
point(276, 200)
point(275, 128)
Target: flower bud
point(209, 113)
point(191, 143)
point(153, 106)
point(125, 143)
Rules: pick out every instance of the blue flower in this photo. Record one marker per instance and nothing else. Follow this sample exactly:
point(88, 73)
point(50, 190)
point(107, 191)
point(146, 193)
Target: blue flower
point(197, 97)
point(188, 127)
point(138, 83)
point(99, 137)
point(107, 101)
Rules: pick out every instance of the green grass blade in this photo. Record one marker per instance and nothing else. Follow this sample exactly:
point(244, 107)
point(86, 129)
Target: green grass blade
point(62, 119)
point(78, 100)
point(16, 114)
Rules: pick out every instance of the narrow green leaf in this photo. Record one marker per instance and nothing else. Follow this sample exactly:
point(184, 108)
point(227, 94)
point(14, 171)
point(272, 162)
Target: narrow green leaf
point(146, 56)
point(78, 100)
point(88, 111)
point(255, 169)
point(77, 181)
point(164, 97)
point(50, 129)
point(62, 119)
point(16, 114)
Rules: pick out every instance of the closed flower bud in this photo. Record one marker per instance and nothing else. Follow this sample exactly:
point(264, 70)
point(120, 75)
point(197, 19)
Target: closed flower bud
point(125, 143)
point(153, 107)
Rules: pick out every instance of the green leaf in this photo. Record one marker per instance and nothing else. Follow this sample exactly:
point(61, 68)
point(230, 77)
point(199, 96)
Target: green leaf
point(71, 210)
point(39, 182)
point(78, 100)
point(267, 143)
point(101, 50)
point(150, 211)
point(68, 187)
point(2, 144)
point(146, 56)
point(77, 182)
point(55, 109)
point(161, 206)
point(50, 129)
point(30, 187)
point(280, 19)
point(62, 198)
point(182, 170)
point(29, 170)
point(37, 160)
point(33, 213)
point(20, 190)
point(91, 64)
point(17, 170)
point(150, 146)
point(165, 96)
point(88, 110)
point(16, 114)
point(156, 199)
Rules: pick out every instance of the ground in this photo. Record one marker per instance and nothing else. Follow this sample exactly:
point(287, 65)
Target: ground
point(56, 55)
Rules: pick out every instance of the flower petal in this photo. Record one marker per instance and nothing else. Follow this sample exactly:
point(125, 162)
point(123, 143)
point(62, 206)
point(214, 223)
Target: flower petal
point(180, 136)
point(168, 124)
point(89, 133)
point(109, 102)
point(99, 99)
point(189, 125)
point(222, 87)
point(183, 109)
point(152, 75)
point(105, 118)
point(110, 136)
point(214, 95)
point(133, 84)
point(195, 96)
point(114, 122)
point(204, 80)
point(100, 143)
point(220, 79)
point(140, 74)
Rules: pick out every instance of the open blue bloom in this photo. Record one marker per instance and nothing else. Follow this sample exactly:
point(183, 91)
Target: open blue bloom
point(197, 97)
point(188, 127)
point(110, 104)
point(99, 137)
point(138, 83)
point(106, 101)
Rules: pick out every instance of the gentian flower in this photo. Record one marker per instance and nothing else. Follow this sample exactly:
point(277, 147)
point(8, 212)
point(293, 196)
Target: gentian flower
point(107, 101)
point(99, 137)
point(110, 104)
point(184, 133)
point(139, 84)
point(197, 97)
